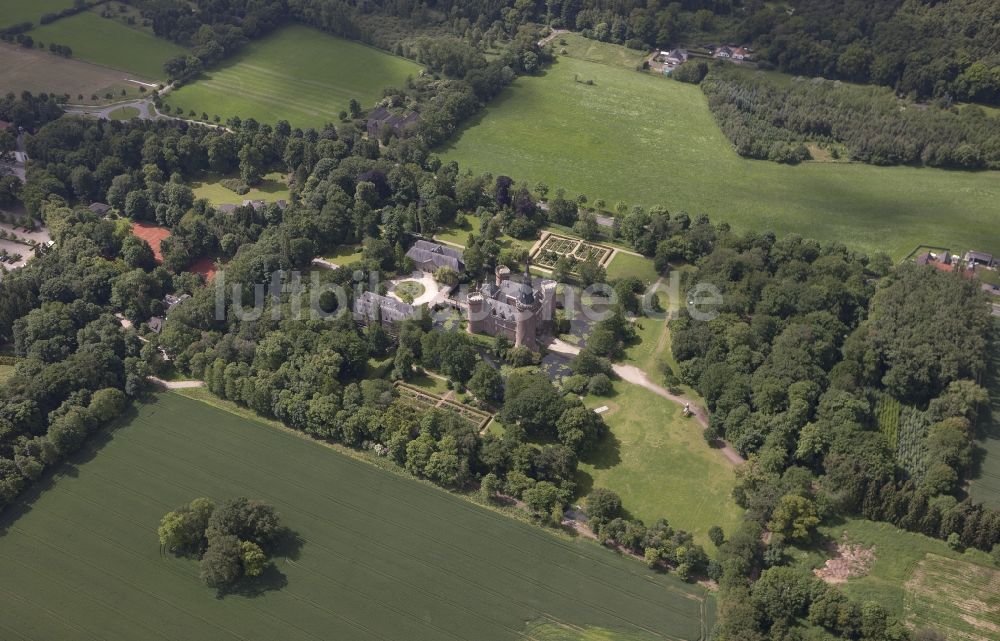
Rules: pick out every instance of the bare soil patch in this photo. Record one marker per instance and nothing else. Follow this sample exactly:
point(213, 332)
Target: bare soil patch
point(39, 71)
point(848, 560)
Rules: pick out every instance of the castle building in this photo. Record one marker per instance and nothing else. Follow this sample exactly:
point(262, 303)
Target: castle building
point(518, 310)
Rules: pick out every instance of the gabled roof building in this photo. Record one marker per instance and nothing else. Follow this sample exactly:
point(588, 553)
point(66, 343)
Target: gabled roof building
point(429, 257)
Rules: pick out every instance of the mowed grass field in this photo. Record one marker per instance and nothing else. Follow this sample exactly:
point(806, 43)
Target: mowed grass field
point(380, 557)
point(923, 580)
point(273, 187)
point(298, 74)
point(644, 139)
point(660, 465)
point(110, 43)
point(17, 11)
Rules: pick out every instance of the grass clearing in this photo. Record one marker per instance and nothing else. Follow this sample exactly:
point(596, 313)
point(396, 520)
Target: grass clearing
point(345, 255)
point(298, 74)
point(381, 556)
point(107, 42)
point(644, 139)
point(660, 465)
point(273, 187)
point(123, 113)
point(6, 371)
point(629, 265)
point(922, 580)
point(18, 11)
point(39, 71)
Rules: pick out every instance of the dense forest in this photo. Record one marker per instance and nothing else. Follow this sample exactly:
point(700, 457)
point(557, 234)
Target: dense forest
point(768, 120)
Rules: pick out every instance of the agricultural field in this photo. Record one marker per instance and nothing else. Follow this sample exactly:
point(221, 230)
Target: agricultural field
point(921, 579)
point(273, 187)
point(297, 74)
point(380, 556)
point(644, 139)
point(660, 465)
point(18, 11)
point(39, 71)
point(110, 43)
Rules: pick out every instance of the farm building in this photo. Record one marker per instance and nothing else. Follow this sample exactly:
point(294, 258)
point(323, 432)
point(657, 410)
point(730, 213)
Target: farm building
point(429, 257)
point(979, 258)
point(518, 310)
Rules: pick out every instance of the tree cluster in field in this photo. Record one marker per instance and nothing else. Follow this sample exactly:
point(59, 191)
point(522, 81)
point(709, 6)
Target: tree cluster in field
point(767, 121)
point(659, 545)
point(232, 540)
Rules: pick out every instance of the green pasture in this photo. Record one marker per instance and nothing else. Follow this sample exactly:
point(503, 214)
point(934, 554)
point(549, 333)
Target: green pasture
point(920, 579)
point(298, 74)
point(984, 487)
point(18, 11)
point(644, 139)
point(108, 42)
point(376, 556)
point(660, 465)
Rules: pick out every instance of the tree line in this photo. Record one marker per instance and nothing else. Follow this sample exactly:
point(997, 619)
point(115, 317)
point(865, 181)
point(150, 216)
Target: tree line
point(767, 121)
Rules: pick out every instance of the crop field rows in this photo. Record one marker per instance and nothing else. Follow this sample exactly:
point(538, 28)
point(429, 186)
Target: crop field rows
point(963, 597)
point(297, 74)
point(379, 556)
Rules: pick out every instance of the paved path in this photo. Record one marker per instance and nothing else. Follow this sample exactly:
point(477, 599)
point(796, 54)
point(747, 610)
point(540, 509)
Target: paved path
point(176, 384)
point(634, 375)
point(147, 111)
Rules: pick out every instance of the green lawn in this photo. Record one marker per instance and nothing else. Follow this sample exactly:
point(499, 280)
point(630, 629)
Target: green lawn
point(123, 113)
point(660, 465)
point(344, 255)
point(273, 187)
point(644, 139)
point(107, 42)
point(910, 576)
point(380, 556)
point(18, 11)
point(298, 74)
point(6, 371)
point(627, 265)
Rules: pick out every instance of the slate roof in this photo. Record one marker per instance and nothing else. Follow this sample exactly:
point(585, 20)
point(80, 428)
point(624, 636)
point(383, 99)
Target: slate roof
point(391, 309)
point(424, 251)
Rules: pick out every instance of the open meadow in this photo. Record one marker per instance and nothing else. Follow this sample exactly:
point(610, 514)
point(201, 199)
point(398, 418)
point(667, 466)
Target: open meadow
point(298, 74)
point(378, 556)
point(18, 11)
point(660, 465)
point(920, 579)
point(643, 139)
point(108, 42)
point(6, 371)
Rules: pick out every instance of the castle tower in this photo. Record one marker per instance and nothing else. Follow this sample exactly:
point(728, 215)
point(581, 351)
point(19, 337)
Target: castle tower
point(503, 273)
point(477, 313)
